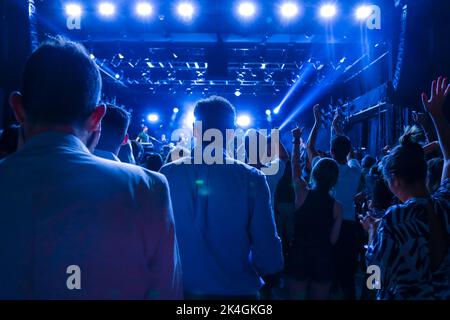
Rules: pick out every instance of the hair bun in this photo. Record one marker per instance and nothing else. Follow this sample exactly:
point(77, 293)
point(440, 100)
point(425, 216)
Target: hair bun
point(409, 140)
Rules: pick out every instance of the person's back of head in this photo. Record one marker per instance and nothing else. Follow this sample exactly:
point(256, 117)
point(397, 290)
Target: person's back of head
point(368, 162)
point(340, 148)
point(177, 153)
point(405, 163)
point(324, 174)
point(61, 85)
point(381, 196)
point(153, 161)
point(114, 129)
point(215, 113)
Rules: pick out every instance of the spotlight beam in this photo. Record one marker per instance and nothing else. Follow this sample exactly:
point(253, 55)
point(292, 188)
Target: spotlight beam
point(303, 73)
point(311, 97)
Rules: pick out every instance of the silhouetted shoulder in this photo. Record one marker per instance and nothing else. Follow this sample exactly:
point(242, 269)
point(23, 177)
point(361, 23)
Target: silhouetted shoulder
point(128, 173)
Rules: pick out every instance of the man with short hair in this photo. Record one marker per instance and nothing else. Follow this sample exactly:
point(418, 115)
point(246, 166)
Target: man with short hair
point(225, 225)
point(114, 133)
point(72, 225)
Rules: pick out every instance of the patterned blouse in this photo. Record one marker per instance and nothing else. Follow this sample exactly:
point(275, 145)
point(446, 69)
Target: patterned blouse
point(401, 250)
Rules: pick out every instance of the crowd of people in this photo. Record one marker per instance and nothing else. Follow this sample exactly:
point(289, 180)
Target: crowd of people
point(76, 191)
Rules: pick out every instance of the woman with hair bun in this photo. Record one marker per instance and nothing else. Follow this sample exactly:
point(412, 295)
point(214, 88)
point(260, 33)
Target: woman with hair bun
point(411, 243)
point(317, 222)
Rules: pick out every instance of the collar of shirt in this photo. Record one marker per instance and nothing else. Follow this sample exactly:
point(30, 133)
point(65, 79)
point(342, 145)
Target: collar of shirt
point(52, 139)
point(106, 155)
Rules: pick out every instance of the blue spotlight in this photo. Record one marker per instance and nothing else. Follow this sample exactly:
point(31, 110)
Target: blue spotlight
point(73, 10)
point(328, 11)
point(363, 12)
point(311, 96)
point(185, 10)
point(268, 112)
point(144, 9)
point(237, 93)
point(289, 10)
point(153, 117)
point(106, 9)
point(176, 110)
point(243, 121)
point(305, 71)
point(277, 109)
point(247, 9)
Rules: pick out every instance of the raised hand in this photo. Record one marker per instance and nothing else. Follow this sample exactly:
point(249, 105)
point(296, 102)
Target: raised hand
point(297, 133)
point(439, 91)
point(336, 119)
point(317, 115)
point(419, 118)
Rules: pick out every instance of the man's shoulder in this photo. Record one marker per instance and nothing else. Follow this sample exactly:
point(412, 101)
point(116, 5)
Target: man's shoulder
point(351, 168)
point(127, 172)
point(243, 167)
point(230, 163)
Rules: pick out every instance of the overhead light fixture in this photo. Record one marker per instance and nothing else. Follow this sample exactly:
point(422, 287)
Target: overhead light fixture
point(73, 10)
point(328, 11)
point(289, 10)
point(107, 9)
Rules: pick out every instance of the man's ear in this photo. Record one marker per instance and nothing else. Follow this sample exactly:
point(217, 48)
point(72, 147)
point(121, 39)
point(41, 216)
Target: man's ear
point(16, 103)
point(94, 121)
point(125, 140)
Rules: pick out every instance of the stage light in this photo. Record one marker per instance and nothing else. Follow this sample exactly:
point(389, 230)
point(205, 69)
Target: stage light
point(243, 121)
point(363, 12)
point(237, 93)
point(73, 10)
point(117, 76)
point(106, 9)
point(289, 10)
point(92, 56)
point(176, 110)
point(328, 11)
point(120, 56)
point(144, 9)
point(247, 9)
point(185, 10)
point(268, 112)
point(153, 117)
point(276, 110)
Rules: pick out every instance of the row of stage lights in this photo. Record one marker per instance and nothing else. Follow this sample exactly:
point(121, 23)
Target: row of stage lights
point(242, 120)
point(245, 9)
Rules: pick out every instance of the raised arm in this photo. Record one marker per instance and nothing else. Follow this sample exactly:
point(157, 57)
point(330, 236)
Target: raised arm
point(421, 120)
point(300, 187)
point(335, 126)
point(284, 155)
point(311, 145)
point(434, 105)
